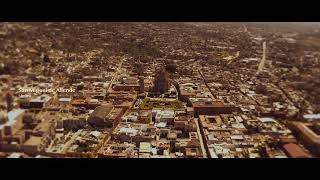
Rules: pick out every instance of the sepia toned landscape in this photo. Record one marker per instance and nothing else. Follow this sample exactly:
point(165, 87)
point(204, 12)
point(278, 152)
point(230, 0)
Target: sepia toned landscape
point(159, 90)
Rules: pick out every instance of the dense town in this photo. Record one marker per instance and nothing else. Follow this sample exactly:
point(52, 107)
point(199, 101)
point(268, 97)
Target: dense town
point(159, 90)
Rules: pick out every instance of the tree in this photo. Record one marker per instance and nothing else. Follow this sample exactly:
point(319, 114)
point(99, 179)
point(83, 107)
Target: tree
point(9, 101)
point(46, 59)
point(139, 67)
point(171, 68)
point(261, 89)
point(11, 67)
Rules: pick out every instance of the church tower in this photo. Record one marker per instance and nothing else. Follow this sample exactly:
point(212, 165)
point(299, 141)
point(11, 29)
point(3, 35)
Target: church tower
point(161, 81)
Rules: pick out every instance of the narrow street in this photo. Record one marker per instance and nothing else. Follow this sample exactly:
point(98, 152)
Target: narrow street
point(203, 149)
point(205, 82)
point(68, 144)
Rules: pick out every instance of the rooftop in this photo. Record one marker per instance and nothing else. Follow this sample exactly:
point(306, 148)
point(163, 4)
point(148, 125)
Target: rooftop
point(42, 99)
point(33, 141)
point(295, 151)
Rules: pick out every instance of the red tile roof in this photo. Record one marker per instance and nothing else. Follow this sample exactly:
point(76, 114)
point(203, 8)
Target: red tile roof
point(295, 151)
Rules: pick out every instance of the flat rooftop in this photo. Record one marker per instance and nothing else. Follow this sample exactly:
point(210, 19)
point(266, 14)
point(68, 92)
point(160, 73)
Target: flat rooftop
point(208, 104)
point(42, 98)
point(33, 141)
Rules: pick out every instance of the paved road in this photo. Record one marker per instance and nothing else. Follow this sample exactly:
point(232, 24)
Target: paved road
point(263, 60)
point(205, 82)
point(115, 75)
point(201, 139)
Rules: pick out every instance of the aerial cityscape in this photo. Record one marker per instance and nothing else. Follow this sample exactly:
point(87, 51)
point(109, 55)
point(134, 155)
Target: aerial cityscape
point(159, 90)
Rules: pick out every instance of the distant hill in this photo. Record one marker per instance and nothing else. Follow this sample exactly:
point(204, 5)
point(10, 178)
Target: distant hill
point(287, 24)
